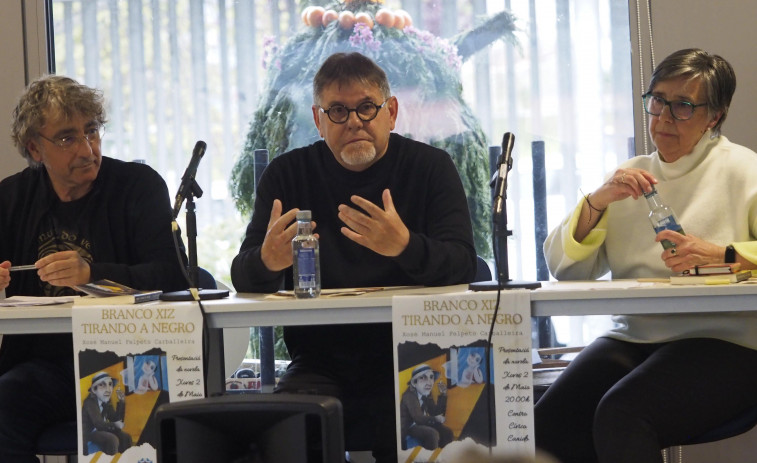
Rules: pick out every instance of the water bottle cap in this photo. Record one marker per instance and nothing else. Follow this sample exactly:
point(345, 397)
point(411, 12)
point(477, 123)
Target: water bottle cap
point(304, 215)
point(651, 192)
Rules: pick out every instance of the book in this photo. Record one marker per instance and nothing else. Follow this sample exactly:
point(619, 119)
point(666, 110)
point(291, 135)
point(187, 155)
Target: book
point(714, 269)
point(110, 292)
point(713, 279)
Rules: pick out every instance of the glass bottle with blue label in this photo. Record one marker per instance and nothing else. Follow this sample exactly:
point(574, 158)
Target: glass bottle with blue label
point(306, 257)
point(662, 216)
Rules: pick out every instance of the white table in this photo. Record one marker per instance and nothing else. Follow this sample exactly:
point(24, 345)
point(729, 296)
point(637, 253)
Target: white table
point(43, 319)
point(629, 297)
point(249, 309)
point(553, 299)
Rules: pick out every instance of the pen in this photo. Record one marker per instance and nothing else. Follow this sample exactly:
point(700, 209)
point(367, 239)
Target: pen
point(653, 280)
point(22, 267)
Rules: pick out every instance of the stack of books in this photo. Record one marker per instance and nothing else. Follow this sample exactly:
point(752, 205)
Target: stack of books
point(109, 292)
point(711, 274)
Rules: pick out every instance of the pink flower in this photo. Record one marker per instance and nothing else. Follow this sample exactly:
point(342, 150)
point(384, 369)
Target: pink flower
point(428, 42)
point(362, 38)
point(270, 49)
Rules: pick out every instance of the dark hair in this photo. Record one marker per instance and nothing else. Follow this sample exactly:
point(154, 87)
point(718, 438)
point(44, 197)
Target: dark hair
point(51, 97)
point(349, 68)
point(717, 76)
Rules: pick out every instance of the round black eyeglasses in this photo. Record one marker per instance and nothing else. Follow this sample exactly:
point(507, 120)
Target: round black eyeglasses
point(366, 111)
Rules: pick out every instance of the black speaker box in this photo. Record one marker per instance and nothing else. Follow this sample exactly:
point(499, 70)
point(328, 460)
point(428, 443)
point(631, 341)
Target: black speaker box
point(252, 428)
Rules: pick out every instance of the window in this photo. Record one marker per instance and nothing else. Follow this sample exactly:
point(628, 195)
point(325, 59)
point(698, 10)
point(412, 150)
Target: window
point(178, 71)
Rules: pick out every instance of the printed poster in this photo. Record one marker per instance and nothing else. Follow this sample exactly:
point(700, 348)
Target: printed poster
point(451, 402)
point(129, 360)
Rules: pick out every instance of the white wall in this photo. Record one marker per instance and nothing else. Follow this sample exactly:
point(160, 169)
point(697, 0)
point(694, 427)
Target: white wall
point(725, 28)
point(12, 76)
point(21, 55)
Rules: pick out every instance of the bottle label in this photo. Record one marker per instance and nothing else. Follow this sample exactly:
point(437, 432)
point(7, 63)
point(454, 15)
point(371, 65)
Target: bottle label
point(306, 268)
point(668, 223)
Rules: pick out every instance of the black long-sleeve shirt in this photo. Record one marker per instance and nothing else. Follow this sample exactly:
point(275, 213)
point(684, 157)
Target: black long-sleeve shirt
point(123, 225)
point(429, 197)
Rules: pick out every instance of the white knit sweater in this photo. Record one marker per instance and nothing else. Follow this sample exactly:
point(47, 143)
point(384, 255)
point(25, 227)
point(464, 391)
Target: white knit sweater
point(713, 191)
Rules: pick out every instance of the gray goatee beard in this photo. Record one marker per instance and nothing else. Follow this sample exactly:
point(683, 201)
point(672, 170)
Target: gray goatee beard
point(358, 157)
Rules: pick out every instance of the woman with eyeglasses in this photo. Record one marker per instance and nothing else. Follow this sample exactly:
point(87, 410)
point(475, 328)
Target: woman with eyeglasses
point(656, 381)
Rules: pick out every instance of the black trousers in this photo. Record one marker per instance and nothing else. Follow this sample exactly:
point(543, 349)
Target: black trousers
point(33, 395)
point(622, 402)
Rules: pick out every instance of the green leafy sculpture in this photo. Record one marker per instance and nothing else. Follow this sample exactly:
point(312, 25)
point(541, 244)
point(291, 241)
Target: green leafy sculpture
point(423, 71)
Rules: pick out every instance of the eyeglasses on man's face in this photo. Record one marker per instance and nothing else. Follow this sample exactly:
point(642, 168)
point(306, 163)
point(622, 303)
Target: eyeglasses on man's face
point(680, 110)
point(92, 136)
point(366, 111)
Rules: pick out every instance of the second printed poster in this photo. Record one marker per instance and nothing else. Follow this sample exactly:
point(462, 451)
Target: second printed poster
point(455, 396)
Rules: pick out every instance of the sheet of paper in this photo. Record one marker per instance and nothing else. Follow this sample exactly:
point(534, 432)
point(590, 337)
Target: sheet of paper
point(336, 292)
point(32, 301)
point(596, 284)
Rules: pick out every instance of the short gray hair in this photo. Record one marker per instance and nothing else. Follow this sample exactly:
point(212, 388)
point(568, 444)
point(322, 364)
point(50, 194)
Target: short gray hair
point(717, 76)
point(349, 68)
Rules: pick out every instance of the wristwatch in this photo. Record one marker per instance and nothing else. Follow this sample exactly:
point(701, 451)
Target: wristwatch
point(730, 254)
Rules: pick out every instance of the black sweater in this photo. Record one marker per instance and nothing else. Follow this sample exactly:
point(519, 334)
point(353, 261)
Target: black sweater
point(125, 225)
point(428, 196)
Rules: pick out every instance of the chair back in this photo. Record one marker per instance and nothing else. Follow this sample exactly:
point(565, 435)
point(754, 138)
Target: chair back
point(58, 439)
point(205, 279)
point(483, 272)
point(738, 425)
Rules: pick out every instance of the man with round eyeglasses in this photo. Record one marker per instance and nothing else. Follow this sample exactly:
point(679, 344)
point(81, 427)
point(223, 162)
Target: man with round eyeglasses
point(389, 211)
point(76, 216)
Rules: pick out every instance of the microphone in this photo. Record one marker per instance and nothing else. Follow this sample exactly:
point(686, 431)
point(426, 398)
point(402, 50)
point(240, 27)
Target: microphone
point(504, 164)
point(188, 179)
point(499, 222)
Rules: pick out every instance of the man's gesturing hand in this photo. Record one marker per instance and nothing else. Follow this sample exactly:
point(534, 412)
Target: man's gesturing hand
point(380, 230)
point(276, 251)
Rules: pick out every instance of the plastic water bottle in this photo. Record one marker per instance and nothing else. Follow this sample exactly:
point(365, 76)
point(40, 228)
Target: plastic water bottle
point(306, 256)
point(662, 216)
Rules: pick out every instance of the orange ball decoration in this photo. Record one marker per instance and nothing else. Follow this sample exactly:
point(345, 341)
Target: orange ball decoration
point(399, 21)
point(315, 15)
point(385, 17)
point(406, 19)
point(305, 13)
point(328, 17)
point(364, 18)
point(346, 20)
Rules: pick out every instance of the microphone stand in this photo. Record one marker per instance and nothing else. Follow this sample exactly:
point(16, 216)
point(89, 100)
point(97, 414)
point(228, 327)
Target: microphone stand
point(192, 269)
point(499, 238)
point(195, 293)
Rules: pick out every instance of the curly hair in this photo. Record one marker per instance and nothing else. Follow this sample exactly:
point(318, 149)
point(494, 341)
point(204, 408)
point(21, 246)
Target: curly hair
point(48, 98)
